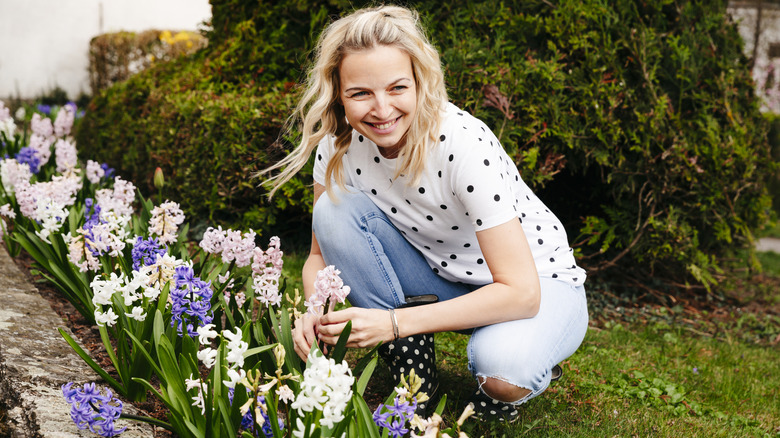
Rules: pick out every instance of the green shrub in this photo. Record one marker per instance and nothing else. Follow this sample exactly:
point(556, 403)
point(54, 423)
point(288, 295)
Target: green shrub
point(635, 121)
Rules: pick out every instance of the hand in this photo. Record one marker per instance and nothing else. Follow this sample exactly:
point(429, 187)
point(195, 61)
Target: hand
point(369, 327)
point(305, 334)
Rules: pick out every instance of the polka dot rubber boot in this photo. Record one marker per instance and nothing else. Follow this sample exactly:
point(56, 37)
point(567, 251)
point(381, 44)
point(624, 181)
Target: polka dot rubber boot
point(417, 353)
point(490, 409)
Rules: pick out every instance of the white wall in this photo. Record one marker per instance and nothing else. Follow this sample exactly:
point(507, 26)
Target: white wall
point(45, 43)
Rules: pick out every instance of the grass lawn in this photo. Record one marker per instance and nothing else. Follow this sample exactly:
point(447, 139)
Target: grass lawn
point(643, 370)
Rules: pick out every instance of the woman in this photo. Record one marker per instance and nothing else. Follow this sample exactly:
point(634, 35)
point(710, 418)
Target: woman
point(422, 200)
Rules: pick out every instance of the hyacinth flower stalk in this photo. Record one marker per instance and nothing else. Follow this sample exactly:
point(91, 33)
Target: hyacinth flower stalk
point(98, 410)
point(123, 308)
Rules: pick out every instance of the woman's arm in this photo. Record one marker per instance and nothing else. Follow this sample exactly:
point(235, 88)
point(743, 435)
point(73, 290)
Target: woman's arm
point(514, 294)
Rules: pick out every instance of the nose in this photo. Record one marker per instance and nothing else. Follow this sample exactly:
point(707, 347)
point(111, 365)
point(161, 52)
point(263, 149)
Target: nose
point(382, 107)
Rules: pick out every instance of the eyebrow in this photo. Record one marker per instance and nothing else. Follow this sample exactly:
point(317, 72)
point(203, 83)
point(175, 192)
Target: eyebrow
point(389, 85)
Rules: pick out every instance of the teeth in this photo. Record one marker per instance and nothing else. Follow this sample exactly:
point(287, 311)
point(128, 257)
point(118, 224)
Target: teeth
point(385, 126)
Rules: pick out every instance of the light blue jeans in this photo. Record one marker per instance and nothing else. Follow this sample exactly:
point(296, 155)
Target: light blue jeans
point(382, 269)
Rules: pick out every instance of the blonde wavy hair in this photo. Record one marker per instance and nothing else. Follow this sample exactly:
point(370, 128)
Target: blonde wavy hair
point(320, 113)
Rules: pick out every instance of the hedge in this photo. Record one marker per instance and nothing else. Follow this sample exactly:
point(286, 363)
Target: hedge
point(635, 121)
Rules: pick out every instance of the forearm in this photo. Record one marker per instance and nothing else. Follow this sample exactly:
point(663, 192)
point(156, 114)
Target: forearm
point(491, 304)
point(313, 264)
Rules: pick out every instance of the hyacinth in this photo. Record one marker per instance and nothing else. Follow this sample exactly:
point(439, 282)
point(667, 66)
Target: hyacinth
point(248, 421)
point(12, 173)
point(238, 247)
point(94, 172)
point(327, 387)
point(81, 255)
point(64, 121)
point(190, 297)
point(65, 155)
point(42, 147)
point(266, 271)
point(165, 221)
point(395, 416)
point(197, 400)
point(41, 126)
point(161, 271)
point(7, 211)
point(236, 348)
point(51, 216)
point(5, 112)
point(29, 157)
point(7, 125)
point(145, 252)
point(60, 189)
point(212, 240)
point(328, 286)
point(90, 408)
point(119, 199)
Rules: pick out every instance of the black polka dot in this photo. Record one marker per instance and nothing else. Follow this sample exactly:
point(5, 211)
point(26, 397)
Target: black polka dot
point(357, 171)
point(407, 201)
point(429, 217)
point(360, 138)
point(460, 114)
point(442, 137)
point(421, 190)
point(527, 197)
point(373, 191)
point(464, 127)
point(443, 264)
point(496, 198)
point(454, 228)
point(453, 256)
point(436, 270)
point(480, 261)
point(555, 276)
point(487, 163)
point(440, 174)
point(468, 273)
point(552, 259)
point(479, 221)
point(452, 157)
point(556, 227)
point(573, 266)
point(394, 210)
point(574, 279)
point(319, 157)
point(427, 247)
point(443, 207)
point(538, 228)
point(439, 241)
point(470, 189)
point(517, 178)
point(480, 139)
point(520, 213)
point(540, 241)
point(376, 159)
point(415, 229)
point(466, 245)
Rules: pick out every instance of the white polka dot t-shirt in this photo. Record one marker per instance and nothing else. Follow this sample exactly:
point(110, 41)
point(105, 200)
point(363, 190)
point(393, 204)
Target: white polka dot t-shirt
point(469, 184)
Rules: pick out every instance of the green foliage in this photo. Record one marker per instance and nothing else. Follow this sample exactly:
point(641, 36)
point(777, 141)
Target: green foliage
point(635, 121)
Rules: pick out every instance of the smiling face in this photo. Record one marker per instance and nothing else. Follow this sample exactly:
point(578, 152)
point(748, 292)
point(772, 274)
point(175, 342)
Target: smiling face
point(379, 95)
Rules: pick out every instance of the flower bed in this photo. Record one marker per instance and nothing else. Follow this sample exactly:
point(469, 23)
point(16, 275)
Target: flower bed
point(209, 323)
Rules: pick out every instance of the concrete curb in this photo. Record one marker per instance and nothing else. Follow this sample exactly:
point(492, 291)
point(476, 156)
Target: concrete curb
point(35, 362)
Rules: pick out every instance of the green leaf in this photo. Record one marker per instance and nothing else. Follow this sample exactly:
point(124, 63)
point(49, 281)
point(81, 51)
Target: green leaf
point(86, 357)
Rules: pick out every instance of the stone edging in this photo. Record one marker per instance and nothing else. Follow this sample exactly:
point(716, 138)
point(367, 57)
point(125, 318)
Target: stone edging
point(35, 361)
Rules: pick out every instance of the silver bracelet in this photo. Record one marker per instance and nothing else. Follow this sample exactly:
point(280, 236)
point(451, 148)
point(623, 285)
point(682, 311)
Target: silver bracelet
point(395, 324)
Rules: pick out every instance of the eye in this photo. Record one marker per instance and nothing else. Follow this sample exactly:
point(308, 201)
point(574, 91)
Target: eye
point(400, 88)
point(359, 94)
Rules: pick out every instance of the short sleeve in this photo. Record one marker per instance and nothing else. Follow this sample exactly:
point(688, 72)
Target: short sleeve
point(482, 177)
point(322, 156)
